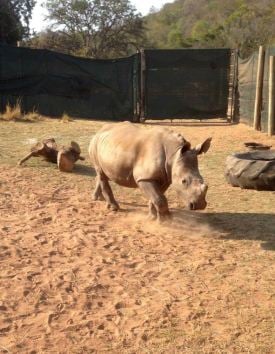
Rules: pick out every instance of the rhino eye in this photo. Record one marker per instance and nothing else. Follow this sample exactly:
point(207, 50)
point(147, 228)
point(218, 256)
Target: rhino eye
point(184, 181)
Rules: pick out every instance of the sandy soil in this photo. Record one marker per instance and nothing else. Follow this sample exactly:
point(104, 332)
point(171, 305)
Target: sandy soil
point(77, 278)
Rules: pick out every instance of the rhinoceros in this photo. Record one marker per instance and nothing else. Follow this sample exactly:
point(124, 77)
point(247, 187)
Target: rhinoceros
point(151, 159)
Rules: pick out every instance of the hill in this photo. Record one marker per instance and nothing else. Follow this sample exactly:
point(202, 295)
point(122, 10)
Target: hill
point(243, 24)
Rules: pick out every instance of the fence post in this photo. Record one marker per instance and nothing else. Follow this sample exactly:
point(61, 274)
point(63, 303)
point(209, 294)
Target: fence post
point(142, 85)
point(259, 89)
point(136, 91)
point(271, 96)
point(231, 111)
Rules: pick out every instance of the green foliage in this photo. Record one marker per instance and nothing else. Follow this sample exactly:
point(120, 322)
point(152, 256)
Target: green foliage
point(15, 20)
point(92, 28)
point(163, 28)
point(243, 24)
point(10, 28)
point(59, 41)
point(112, 28)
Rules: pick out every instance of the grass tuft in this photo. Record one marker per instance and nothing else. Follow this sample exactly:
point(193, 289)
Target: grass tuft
point(33, 116)
point(66, 118)
point(12, 113)
point(15, 114)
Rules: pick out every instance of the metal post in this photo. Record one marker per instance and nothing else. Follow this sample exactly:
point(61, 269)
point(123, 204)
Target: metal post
point(136, 93)
point(259, 89)
point(142, 85)
point(231, 96)
point(271, 96)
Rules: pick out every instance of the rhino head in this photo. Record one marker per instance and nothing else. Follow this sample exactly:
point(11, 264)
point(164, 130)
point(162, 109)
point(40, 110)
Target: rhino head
point(186, 175)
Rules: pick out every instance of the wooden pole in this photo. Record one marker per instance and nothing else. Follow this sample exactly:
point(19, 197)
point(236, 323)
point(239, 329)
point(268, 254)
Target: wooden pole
point(259, 89)
point(271, 96)
point(142, 85)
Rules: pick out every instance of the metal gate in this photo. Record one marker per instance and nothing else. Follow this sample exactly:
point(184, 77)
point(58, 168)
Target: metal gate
point(185, 83)
point(153, 84)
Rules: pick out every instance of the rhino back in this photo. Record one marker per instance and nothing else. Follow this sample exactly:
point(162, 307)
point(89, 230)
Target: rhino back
point(127, 154)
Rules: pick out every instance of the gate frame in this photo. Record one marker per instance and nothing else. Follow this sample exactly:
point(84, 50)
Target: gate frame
point(232, 94)
point(233, 86)
point(142, 86)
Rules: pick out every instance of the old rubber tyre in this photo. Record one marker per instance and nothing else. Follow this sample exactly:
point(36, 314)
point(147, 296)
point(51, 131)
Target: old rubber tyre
point(252, 170)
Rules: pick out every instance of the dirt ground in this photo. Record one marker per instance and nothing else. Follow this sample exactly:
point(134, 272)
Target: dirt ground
point(77, 278)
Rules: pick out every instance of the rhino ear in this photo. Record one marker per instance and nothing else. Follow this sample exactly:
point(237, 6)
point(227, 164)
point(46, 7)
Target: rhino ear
point(204, 147)
point(185, 147)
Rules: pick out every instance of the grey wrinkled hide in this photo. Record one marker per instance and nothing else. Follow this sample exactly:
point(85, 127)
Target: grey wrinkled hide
point(151, 159)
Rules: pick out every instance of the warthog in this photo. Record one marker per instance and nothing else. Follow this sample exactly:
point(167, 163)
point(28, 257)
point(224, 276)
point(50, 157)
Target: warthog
point(64, 157)
point(151, 159)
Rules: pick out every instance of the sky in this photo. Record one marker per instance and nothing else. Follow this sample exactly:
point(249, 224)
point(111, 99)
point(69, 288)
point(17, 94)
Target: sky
point(142, 6)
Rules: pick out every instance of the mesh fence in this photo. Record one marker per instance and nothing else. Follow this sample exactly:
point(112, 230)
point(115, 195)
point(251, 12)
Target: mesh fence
point(247, 69)
point(188, 83)
point(191, 83)
point(54, 83)
point(247, 74)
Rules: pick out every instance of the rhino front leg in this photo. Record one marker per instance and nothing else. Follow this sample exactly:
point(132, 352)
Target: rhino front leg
point(152, 211)
point(108, 194)
point(159, 205)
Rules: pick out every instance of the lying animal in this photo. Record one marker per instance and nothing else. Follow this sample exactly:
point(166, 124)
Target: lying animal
point(65, 157)
point(150, 159)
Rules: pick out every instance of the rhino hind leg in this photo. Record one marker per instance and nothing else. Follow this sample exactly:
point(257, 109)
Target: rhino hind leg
point(98, 195)
point(158, 204)
point(108, 194)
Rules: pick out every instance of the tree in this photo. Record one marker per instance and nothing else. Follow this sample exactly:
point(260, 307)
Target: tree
point(163, 28)
point(15, 18)
point(23, 11)
point(106, 28)
point(10, 27)
point(250, 25)
point(242, 24)
point(58, 41)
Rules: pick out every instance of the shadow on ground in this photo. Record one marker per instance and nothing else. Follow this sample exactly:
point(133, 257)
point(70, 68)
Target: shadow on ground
point(84, 170)
point(225, 225)
point(236, 226)
point(203, 123)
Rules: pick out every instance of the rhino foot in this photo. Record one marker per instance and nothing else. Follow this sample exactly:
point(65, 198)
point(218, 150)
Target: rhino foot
point(113, 206)
point(151, 217)
point(162, 218)
point(98, 197)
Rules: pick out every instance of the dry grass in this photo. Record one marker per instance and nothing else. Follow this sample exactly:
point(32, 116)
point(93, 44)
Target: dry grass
point(76, 276)
point(12, 113)
point(33, 116)
point(66, 118)
point(15, 114)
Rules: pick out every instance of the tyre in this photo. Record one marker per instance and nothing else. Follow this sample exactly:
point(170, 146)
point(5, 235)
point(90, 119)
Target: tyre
point(252, 170)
